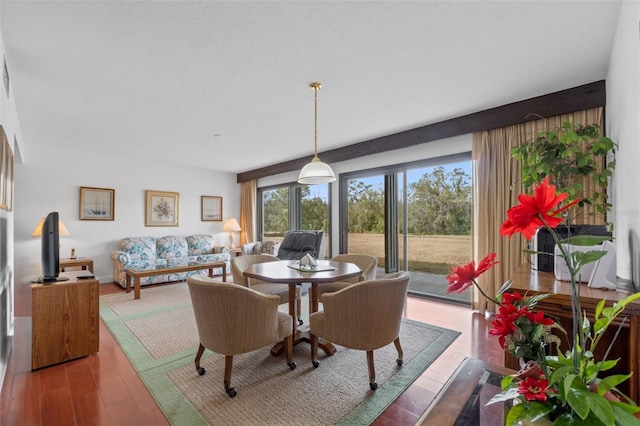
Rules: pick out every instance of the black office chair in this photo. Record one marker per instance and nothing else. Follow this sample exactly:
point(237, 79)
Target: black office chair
point(296, 244)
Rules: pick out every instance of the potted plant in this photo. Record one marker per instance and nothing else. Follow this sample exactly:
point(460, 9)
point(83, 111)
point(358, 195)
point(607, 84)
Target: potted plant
point(568, 155)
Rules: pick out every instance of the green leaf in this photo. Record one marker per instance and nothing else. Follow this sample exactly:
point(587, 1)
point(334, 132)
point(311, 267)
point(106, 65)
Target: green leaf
point(623, 417)
point(600, 407)
point(600, 326)
point(583, 258)
point(506, 381)
point(611, 382)
point(576, 394)
point(516, 414)
point(599, 307)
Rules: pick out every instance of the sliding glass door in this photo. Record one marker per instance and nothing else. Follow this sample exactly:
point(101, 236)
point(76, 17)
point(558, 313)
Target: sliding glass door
point(438, 226)
point(414, 217)
point(365, 226)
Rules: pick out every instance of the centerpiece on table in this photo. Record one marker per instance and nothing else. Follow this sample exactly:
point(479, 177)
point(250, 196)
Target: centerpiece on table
point(563, 386)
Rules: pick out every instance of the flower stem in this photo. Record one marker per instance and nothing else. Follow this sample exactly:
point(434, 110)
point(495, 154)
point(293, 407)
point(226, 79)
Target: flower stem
point(578, 337)
point(475, 283)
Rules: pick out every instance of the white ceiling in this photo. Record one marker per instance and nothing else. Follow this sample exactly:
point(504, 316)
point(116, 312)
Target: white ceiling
point(224, 85)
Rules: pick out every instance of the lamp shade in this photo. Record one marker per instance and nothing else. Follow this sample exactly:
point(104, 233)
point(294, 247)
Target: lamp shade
point(62, 229)
point(316, 172)
point(231, 225)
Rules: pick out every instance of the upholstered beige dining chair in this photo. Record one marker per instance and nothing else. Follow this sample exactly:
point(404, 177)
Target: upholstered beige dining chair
point(240, 263)
point(232, 320)
point(368, 265)
point(364, 316)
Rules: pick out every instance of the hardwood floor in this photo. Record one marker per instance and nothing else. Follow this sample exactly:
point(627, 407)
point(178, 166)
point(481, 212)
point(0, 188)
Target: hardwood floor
point(104, 389)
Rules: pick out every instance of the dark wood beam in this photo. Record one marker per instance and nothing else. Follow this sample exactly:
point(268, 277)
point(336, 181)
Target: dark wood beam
point(570, 100)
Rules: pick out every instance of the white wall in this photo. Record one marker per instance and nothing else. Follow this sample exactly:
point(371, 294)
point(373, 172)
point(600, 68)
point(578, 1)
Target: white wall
point(623, 126)
point(50, 180)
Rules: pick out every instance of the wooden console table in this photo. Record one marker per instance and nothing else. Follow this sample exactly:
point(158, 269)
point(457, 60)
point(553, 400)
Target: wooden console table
point(65, 320)
point(558, 305)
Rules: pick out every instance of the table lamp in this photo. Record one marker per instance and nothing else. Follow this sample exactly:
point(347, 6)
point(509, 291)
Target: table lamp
point(231, 225)
point(62, 229)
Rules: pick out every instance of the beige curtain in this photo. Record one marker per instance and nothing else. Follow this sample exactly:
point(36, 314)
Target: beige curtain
point(248, 194)
point(497, 185)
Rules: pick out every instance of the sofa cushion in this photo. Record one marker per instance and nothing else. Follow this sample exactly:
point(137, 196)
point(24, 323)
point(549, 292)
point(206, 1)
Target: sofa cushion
point(139, 249)
point(172, 246)
point(201, 244)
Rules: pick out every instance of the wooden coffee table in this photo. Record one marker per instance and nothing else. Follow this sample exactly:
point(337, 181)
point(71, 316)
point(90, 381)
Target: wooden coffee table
point(462, 399)
point(150, 271)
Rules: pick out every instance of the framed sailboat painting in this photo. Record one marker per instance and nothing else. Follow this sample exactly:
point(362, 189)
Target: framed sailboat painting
point(211, 208)
point(97, 203)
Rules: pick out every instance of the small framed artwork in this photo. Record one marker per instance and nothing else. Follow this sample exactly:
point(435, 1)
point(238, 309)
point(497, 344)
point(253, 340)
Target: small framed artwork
point(211, 209)
point(97, 203)
point(162, 208)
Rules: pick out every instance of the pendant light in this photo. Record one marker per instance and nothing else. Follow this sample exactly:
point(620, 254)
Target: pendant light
point(316, 171)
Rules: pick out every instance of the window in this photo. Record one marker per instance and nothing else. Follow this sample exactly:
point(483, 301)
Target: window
point(414, 217)
point(294, 207)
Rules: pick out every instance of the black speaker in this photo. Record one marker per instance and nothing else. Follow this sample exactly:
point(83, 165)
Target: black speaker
point(543, 242)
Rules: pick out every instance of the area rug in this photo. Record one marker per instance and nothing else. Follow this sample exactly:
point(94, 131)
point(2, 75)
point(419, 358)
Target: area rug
point(158, 333)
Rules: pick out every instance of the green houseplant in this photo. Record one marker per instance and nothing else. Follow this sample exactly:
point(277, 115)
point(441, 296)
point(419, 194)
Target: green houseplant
point(567, 155)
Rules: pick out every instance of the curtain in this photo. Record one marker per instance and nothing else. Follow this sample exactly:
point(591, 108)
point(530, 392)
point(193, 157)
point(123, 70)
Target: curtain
point(496, 178)
point(248, 194)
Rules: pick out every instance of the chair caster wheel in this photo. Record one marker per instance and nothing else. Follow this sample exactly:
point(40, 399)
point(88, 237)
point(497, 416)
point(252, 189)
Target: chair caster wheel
point(373, 386)
point(315, 364)
point(232, 392)
point(399, 361)
point(201, 370)
point(300, 322)
point(292, 365)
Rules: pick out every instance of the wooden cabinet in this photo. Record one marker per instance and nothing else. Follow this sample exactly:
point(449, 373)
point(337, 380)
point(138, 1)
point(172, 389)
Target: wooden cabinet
point(65, 321)
point(558, 305)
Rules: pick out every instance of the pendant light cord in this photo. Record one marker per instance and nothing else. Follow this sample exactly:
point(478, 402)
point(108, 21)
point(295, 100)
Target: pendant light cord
point(315, 87)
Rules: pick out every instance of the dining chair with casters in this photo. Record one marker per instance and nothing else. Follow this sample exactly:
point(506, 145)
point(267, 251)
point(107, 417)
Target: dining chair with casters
point(233, 319)
point(240, 263)
point(364, 316)
point(368, 265)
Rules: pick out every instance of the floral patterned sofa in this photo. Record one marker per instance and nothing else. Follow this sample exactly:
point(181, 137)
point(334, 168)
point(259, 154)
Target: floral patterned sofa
point(168, 250)
point(261, 247)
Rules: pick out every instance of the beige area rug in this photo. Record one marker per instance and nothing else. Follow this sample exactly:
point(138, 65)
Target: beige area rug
point(160, 338)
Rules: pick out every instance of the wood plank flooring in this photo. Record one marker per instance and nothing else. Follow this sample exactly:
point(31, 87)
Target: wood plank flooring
point(104, 389)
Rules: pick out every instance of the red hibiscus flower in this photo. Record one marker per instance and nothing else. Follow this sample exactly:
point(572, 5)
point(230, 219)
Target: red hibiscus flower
point(533, 389)
point(504, 321)
point(535, 211)
point(463, 276)
point(539, 318)
point(511, 298)
point(502, 329)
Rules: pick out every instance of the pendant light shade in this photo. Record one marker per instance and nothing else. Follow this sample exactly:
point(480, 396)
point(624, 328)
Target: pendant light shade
point(316, 171)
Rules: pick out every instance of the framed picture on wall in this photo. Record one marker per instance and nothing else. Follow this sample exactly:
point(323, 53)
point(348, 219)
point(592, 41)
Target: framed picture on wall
point(162, 208)
point(97, 203)
point(211, 208)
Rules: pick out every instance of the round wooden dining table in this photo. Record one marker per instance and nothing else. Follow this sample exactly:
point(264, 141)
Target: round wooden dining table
point(289, 272)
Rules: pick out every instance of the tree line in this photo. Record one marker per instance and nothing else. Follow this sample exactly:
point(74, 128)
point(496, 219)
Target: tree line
point(438, 203)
